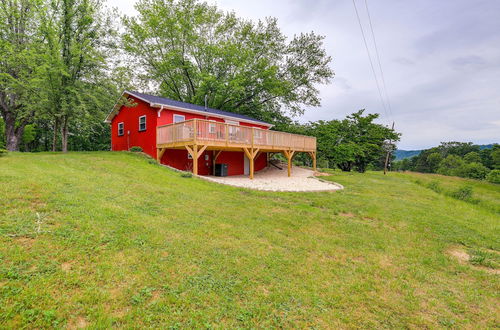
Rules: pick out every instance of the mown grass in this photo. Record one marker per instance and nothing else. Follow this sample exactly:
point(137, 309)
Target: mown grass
point(126, 243)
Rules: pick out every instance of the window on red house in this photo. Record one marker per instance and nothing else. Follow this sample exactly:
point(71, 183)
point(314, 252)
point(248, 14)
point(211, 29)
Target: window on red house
point(142, 123)
point(120, 129)
point(211, 127)
point(179, 118)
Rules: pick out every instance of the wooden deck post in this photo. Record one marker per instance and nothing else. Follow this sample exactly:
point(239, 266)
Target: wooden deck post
point(195, 153)
point(159, 154)
point(289, 155)
point(252, 168)
point(251, 153)
point(195, 157)
point(312, 154)
point(214, 159)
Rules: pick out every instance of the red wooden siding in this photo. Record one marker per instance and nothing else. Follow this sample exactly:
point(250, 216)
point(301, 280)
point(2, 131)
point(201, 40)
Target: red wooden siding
point(130, 117)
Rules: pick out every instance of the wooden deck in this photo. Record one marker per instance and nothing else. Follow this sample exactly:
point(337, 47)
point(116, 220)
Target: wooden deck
point(198, 135)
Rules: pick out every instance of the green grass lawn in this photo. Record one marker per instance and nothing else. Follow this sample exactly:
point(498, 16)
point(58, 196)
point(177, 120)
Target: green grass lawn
point(109, 239)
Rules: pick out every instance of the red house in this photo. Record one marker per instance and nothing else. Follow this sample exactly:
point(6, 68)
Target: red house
point(193, 138)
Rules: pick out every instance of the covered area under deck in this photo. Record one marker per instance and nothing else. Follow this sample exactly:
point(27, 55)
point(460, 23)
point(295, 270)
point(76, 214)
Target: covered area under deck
point(198, 135)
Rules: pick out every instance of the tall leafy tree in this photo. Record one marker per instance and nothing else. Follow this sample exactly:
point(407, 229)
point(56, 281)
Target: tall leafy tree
point(352, 143)
point(78, 35)
point(21, 63)
point(191, 50)
point(433, 161)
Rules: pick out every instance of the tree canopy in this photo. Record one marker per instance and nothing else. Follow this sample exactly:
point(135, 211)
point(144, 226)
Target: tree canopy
point(57, 73)
point(457, 159)
point(355, 142)
point(190, 50)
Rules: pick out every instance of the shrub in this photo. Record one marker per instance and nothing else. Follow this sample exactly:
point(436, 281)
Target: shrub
point(493, 176)
point(135, 149)
point(186, 175)
point(472, 171)
point(434, 185)
point(3, 152)
point(463, 193)
point(322, 163)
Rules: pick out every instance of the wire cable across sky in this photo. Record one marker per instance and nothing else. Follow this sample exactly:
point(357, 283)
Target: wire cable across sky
point(385, 103)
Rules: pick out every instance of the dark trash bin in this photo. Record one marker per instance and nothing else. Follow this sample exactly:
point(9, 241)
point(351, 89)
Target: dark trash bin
point(220, 169)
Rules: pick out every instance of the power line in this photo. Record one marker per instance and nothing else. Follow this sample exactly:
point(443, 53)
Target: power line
point(378, 59)
point(370, 58)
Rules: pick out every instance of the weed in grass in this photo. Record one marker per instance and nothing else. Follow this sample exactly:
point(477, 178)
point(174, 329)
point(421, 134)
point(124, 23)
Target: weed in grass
point(143, 295)
point(435, 186)
point(490, 259)
point(463, 193)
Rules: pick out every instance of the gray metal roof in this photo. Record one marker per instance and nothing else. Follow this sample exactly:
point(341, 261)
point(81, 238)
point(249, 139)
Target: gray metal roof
point(188, 106)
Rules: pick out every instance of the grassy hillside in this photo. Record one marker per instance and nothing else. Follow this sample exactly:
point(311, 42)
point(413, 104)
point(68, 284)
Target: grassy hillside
point(108, 239)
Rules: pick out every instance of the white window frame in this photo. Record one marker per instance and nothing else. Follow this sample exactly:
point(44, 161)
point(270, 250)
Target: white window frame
point(145, 127)
point(232, 122)
point(233, 130)
point(211, 126)
point(122, 129)
point(178, 116)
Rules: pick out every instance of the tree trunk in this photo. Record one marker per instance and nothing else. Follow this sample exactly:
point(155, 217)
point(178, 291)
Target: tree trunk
point(64, 133)
point(12, 141)
point(13, 134)
point(54, 137)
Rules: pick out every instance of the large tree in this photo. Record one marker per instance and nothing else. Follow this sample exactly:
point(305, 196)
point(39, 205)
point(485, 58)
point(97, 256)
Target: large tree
point(21, 64)
point(354, 142)
point(188, 50)
point(77, 34)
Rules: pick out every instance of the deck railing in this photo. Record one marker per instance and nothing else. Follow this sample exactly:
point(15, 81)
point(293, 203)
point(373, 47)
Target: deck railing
point(216, 133)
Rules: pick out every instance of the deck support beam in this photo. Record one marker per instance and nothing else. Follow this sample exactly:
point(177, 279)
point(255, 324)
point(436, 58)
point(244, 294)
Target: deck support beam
point(289, 155)
point(159, 153)
point(215, 156)
point(312, 154)
point(195, 153)
point(251, 154)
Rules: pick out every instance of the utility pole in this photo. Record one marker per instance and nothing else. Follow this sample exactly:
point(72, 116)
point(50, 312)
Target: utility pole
point(388, 153)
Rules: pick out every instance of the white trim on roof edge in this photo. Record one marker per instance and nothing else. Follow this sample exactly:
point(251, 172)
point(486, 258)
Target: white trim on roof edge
point(116, 109)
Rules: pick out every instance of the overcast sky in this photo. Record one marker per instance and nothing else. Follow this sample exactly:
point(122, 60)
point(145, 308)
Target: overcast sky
point(441, 62)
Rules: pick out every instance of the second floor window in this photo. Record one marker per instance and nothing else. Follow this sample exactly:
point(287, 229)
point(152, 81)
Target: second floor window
point(179, 118)
point(211, 127)
point(142, 123)
point(120, 129)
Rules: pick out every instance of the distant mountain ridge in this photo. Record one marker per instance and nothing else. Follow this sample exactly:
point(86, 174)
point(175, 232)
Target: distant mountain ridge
point(402, 154)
